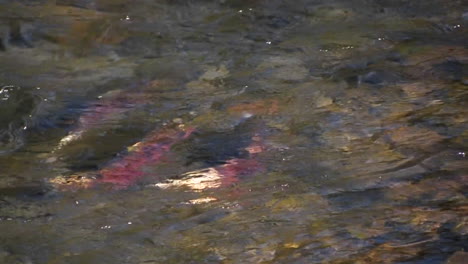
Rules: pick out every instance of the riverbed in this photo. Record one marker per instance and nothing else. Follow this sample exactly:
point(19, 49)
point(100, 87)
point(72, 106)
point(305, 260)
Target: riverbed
point(233, 131)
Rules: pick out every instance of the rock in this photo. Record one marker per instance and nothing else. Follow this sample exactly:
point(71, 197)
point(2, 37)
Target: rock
point(214, 73)
point(322, 101)
point(294, 73)
point(414, 137)
point(266, 253)
point(178, 120)
point(329, 13)
point(296, 203)
point(284, 68)
point(378, 77)
point(465, 16)
point(458, 257)
point(399, 110)
point(6, 257)
point(426, 56)
point(259, 107)
point(216, 121)
point(234, 23)
point(201, 86)
point(417, 89)
point(17, 107)
point(170, 68)
point(16, 36)
point(16, 209)
point(462, 139)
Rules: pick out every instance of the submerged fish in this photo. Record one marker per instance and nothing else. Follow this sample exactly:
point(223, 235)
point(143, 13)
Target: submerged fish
point(108, 109)
point(125, 171)
point(154, 149)
point(151, 150)
point(221, 175)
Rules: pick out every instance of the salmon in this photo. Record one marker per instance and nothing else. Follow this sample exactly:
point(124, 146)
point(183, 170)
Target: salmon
point(154, 148)
point(125, 171)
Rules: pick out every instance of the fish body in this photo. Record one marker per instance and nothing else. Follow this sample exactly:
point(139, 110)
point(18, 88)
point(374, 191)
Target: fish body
point(222, 175)
point(153, 149)
point(109, 109)
point(126, 171)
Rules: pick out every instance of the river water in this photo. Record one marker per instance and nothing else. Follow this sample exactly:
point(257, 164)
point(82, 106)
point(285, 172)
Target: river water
point(233, 131)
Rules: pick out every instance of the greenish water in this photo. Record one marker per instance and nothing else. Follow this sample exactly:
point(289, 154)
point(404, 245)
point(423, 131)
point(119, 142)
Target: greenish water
point(233, 131)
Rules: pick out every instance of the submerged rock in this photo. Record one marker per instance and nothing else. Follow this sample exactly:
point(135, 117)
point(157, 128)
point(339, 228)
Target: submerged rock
point(214, 73)
point(25, 210)
point(414, 137)
point(284, 68)
point(417, 89)
point(452, 70)
point(17, 108)
point(378, 77)
point(14, 35)
point(447, 63)
point(458, 257)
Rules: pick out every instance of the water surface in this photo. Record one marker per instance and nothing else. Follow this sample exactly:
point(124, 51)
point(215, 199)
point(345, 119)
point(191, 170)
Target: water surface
point(233, 131)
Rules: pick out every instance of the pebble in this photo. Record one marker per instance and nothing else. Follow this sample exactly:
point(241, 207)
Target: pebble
point(177, 120)
point(51, 160)
point(465, 16)
point(458, 257)
point(214, 73)
point(322, 101)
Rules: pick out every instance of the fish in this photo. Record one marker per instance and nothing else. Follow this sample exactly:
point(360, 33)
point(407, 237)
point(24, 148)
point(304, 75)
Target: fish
point(151, 150)
point(109, 108)
point(128, 169)
point(222, 175)
point(125, 171)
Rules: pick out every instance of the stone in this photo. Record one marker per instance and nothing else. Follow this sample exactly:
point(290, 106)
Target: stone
point(459, 257)
point(430, 55)
point(399, 110)
point(284, 68)
point(294, 73)
point(330, 13)
point(465, 16)
point(259, 107)
point(294, 203)
point(178, 120)
point(201, 86)
point(322, 101)
point(416, 90)
point(18, 107)
point(214, 73)
point(414, 137)
point(378, 77)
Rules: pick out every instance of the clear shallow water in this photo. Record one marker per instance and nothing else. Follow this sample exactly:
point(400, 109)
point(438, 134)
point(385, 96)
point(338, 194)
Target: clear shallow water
point(233, 132)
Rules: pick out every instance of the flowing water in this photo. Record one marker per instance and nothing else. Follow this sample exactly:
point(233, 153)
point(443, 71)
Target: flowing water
point(233, 131)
